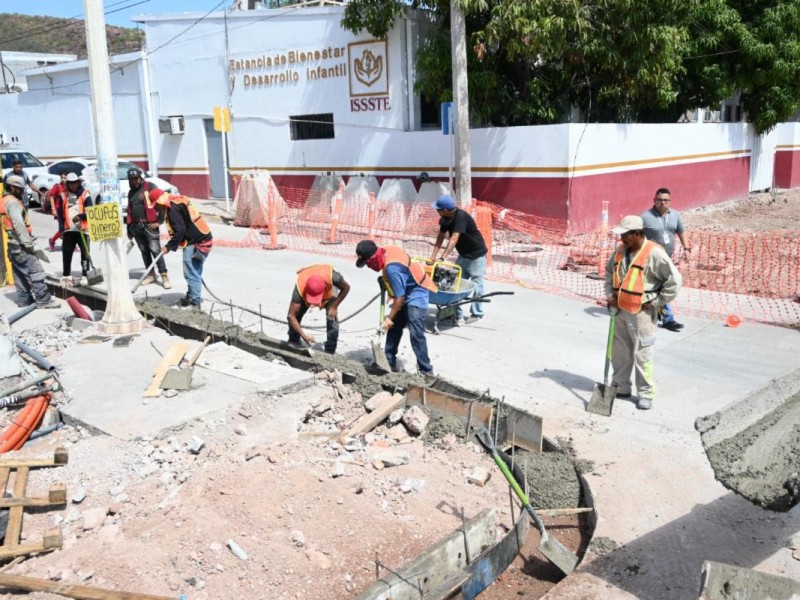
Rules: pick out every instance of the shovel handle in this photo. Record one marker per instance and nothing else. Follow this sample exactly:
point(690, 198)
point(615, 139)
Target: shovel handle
point(145, 274)
point(609, 347)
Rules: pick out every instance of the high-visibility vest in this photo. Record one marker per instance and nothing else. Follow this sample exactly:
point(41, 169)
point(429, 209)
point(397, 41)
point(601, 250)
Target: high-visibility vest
point(197, 219)
point(7, 224)
point(395, 254)
point(150, 210)
point(80, 208)
point(324, 271)
point(630, 287)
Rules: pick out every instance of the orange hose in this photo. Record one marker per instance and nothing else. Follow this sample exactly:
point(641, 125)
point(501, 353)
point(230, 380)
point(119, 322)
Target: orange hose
point(27, 420)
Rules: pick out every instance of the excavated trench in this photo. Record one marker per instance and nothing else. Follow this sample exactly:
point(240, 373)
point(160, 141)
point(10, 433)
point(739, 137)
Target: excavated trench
point(554, 481)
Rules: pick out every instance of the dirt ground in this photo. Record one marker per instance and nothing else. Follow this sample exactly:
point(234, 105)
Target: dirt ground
point(758, 212)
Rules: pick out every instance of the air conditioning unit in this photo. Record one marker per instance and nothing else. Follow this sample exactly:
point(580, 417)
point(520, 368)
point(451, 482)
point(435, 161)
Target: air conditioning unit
point(171, 125)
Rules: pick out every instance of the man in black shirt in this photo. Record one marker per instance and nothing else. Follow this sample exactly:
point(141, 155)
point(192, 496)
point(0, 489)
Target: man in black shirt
point(467, 239)
point(144, 222)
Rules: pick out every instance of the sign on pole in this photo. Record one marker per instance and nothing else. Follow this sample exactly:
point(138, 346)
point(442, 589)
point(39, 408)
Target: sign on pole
point(222, 119)
point(104, 222)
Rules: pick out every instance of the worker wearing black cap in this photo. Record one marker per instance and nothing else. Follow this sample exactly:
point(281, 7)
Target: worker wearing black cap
point(144, 222)
point(408, 284)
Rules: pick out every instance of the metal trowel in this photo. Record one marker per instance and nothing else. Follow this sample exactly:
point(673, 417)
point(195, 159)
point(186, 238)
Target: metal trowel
point(180, 378)
point(377, 350)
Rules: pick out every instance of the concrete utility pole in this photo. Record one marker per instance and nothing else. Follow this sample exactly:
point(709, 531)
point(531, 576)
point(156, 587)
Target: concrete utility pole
point(458, 33)
point(121, 315)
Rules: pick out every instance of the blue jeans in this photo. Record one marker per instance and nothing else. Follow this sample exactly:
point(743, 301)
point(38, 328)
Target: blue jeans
point(413, 318)
point(667, 316)
point(474, 270)
point(193, 261)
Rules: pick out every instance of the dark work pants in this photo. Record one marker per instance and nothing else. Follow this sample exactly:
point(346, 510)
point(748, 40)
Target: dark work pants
point(149, 243)
point(29, 277)
point(412, 317)
point(331, 326)
point(69, 240)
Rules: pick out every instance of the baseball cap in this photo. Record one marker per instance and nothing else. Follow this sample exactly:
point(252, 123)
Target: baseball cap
point(444, 203)
point(134, 172)
point(16, 181)
point(73, 177)
point(158, 193)
point(629, 223)
point(365, 249)
point(315, 289)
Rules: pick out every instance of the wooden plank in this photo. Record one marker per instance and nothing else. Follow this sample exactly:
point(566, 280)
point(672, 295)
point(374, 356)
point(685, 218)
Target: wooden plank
point(370, 420)
point(60, 457)
point(479, 412)
point(5, 472)
point(57, 494)
point(15, 513)
point(55, 499)
point(26, 549)
point(435, 567)
point(172, 357)
point(80, 592)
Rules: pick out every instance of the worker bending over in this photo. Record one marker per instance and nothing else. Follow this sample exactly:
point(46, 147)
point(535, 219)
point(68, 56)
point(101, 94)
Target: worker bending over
point(315, 288)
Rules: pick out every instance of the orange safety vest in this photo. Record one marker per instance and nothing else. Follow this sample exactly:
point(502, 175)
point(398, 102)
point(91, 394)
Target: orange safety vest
point(395, 254)
point(79, 208)
point(324, 271)
point(197, 219)
point(7, 224)
point(630, 287)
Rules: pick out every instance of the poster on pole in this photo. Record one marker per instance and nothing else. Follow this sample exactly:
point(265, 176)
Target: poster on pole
point(104, 222)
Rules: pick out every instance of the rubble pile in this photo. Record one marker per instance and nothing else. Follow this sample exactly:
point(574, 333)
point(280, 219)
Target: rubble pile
point(52, 337)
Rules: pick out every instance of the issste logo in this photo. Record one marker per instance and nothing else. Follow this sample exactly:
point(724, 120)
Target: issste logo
point(369, 75)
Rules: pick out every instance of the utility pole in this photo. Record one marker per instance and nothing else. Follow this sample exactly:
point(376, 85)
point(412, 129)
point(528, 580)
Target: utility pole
point(458, 41)
point(121, 315)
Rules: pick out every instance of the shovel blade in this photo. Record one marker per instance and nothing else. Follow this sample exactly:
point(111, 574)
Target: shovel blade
point(42, 256)
point(558, 554)
point(94, 276)
point(380, 357)
point(602, 401)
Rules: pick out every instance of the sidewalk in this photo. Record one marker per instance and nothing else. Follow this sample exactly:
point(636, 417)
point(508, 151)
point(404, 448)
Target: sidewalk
point(655, 492)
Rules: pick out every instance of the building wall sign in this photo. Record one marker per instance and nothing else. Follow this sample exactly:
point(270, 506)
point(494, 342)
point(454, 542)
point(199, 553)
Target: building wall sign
point(369, 75)
point(288, 67)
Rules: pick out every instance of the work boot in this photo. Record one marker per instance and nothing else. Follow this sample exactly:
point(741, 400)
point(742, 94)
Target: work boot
point(149, 279)
point(672, 326)
point(165, 281)
point(644, 404)
point(52, 245)
point(51, 304)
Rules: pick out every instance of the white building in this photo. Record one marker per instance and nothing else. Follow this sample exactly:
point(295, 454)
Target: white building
point(14, 65)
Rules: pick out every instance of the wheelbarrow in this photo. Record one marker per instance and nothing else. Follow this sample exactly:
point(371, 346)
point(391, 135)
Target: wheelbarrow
point(447, 302)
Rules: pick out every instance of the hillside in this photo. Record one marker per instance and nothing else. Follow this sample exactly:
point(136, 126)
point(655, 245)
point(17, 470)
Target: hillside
point(24, 33)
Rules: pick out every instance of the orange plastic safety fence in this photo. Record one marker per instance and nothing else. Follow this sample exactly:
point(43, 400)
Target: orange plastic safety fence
point(753, 276)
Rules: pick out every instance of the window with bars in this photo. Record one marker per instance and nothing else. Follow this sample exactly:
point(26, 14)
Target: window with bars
point(311, 127)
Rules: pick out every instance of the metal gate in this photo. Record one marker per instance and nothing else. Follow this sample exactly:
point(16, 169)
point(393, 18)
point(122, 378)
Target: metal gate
point(762, 160)
point(216, 167)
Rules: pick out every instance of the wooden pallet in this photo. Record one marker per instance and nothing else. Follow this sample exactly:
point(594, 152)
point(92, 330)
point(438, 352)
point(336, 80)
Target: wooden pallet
point(16, 504)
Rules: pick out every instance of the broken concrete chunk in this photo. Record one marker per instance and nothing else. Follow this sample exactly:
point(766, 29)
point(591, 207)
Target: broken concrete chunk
point(396, 416)
point(398, 433)
point(338, 470)
point(94, 518)
point(376, 401)
point(416, 420)
point(298, 539)
point(195, 445)
point(479, 477)
point(237, 550)
point(391, 457)
point(411, 485)
point(79, 495)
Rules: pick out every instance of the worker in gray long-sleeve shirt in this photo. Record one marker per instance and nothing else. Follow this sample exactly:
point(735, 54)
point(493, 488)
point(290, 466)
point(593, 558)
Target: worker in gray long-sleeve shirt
point(640, 278)
point(29, 276)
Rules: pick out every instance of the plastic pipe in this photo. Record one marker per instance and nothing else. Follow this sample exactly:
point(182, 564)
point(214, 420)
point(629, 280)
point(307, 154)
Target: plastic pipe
point(25, 384)
point(77, 308)
point(21, 313)
point(38, 358)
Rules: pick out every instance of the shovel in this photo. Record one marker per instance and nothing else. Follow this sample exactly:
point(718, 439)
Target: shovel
point(550, 547)
point(180, 378)
point(377, 351)
point(602, 400)
point(145, 274)
point(93, 276)
point(42, 256)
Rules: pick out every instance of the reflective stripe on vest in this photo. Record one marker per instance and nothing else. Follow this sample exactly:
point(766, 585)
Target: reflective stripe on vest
point(324, 271)
point(197, 219)
point(79, 208)
point(395, 254)
point(630, 287)
point(8, 225)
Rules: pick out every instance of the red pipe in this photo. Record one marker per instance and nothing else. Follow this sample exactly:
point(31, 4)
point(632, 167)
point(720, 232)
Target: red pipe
point(77, 308)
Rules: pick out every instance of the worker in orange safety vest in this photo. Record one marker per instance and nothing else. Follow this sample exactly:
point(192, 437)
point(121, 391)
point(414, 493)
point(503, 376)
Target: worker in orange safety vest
point(315, 288)
point(640, 278)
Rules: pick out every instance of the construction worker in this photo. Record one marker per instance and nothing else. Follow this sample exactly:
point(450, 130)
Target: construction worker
point(464, 237)
point(314, 287)
point(30, 189)
point(188, 230)
point(407, 283)
point(72, 213)
point(29, 276)
point(640, 278)
point(55, 196)
point(144, 221)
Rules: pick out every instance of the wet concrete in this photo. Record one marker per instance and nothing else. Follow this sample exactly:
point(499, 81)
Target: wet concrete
point(754, 445)
point(724, 582)
point(552, 480)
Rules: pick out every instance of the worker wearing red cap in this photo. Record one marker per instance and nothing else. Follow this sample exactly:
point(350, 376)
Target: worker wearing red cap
point(315, 287)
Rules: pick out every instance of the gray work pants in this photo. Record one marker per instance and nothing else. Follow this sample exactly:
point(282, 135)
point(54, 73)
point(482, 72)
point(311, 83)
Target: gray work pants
point(29, 277)
point(634, 338)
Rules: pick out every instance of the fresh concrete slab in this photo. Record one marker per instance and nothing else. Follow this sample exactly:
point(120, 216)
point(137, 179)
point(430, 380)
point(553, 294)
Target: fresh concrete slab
point(722, 582)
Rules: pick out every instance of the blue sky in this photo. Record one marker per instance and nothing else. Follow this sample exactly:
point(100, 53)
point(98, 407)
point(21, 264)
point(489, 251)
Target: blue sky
point(123, 9)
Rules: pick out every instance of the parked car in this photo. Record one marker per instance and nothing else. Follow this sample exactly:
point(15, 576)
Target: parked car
point(87, 169)
point(30, 164)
